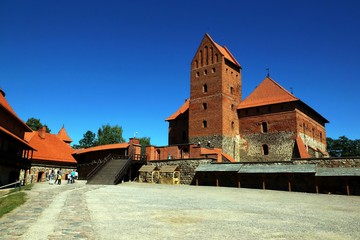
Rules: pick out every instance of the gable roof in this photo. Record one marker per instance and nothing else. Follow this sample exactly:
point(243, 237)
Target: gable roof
point(268, 92)
point(180, 111)
point(223, 50)
point(49, 147)
point(62, 134)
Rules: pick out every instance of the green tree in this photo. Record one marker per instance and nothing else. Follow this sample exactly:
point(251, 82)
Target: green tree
point(343, 147)
point(88, 140)
point(110, 134)
point(144, 141)
point(35, 124)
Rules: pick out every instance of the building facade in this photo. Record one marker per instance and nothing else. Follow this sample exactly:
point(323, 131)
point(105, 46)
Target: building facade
point(271, 124)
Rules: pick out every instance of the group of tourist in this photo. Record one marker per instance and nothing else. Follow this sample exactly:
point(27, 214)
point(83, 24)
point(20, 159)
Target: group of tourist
point(55, 177)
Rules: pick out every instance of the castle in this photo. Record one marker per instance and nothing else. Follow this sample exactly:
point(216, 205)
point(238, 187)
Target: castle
point(271, 124)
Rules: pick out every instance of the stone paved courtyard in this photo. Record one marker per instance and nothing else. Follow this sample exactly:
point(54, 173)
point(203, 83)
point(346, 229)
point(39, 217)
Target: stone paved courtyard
point(149, 211)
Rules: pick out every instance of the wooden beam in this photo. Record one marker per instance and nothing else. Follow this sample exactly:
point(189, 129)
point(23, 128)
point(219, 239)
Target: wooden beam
point(263, 182)
point(289, 182)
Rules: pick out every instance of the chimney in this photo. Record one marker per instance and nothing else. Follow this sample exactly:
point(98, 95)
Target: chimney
point(42, 132)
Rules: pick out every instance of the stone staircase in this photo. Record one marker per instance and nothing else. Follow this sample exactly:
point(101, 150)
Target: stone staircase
point(107, 174)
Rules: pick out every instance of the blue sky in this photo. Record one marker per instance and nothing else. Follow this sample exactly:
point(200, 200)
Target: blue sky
point(83, 64)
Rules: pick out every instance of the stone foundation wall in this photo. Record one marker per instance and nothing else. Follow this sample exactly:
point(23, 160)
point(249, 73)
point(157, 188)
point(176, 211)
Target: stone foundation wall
point(280, 146)
point(40, 173)
point(187, 167)
point(352, 162)
point(228, 144)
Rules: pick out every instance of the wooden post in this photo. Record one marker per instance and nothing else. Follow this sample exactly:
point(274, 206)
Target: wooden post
point(263, 183)
point(239, 185)
point(347, 187)
point(317, 184)
point(217, 179)
point(197, 181)
point(289, 182)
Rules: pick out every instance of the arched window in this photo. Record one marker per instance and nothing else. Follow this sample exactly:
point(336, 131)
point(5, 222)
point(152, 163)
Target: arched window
point(265, 149)
point(205, 88)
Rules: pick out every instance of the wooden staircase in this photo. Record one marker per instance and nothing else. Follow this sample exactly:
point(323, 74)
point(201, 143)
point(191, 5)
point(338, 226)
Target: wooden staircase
point(111, 172)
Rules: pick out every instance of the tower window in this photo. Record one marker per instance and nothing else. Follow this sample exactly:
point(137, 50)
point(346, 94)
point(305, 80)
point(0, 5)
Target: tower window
point(232, 125)
point(264, 127)
point(204, 123)
point(197, 74)
point(213, 70)
point(265, 149)
point(204, 105)
point(205, 89)
point(205, 72)
point(232, 107)
point(231, 90)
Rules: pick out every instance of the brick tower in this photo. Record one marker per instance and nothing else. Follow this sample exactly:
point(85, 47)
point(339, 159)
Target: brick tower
point(215, 92)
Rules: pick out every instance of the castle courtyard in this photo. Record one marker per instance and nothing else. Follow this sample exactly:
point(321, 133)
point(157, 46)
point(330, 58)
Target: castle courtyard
point(152, 211)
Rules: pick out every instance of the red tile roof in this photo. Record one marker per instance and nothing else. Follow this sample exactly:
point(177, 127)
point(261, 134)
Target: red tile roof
point(268, 92)
point(7, 107)
point(49, 147)
point(224, 51)
point(102, 147)
point(180, 111)
point(62, 134)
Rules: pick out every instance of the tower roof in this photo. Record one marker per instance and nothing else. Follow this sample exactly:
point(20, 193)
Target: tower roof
point(222, 50)
point(268, 92)
point(62, 134)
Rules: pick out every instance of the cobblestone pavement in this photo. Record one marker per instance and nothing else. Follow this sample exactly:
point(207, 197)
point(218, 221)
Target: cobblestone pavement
point(154, 211)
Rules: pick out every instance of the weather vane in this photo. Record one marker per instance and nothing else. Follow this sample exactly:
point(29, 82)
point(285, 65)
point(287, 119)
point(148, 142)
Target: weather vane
point(268, 72)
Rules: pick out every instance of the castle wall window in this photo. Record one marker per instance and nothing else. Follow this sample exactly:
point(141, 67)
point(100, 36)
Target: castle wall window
point(197, 74)
point(231, 90)
point(212, 55)
point(264, 127)
point(196, 63)
point(204, 124)
point(205, 72)
point(213, 70)
point(232, 125)
point(201, 58)
point(204, 105)
point(205, 89)
point(265, 149)
point(232, 107)
point(216, 57)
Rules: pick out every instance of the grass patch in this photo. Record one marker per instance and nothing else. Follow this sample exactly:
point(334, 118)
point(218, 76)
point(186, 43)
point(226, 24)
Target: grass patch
point(12, 201)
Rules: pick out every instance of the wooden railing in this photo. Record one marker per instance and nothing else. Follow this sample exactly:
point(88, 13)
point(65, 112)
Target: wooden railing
point(123, 171)
point(100, 165)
